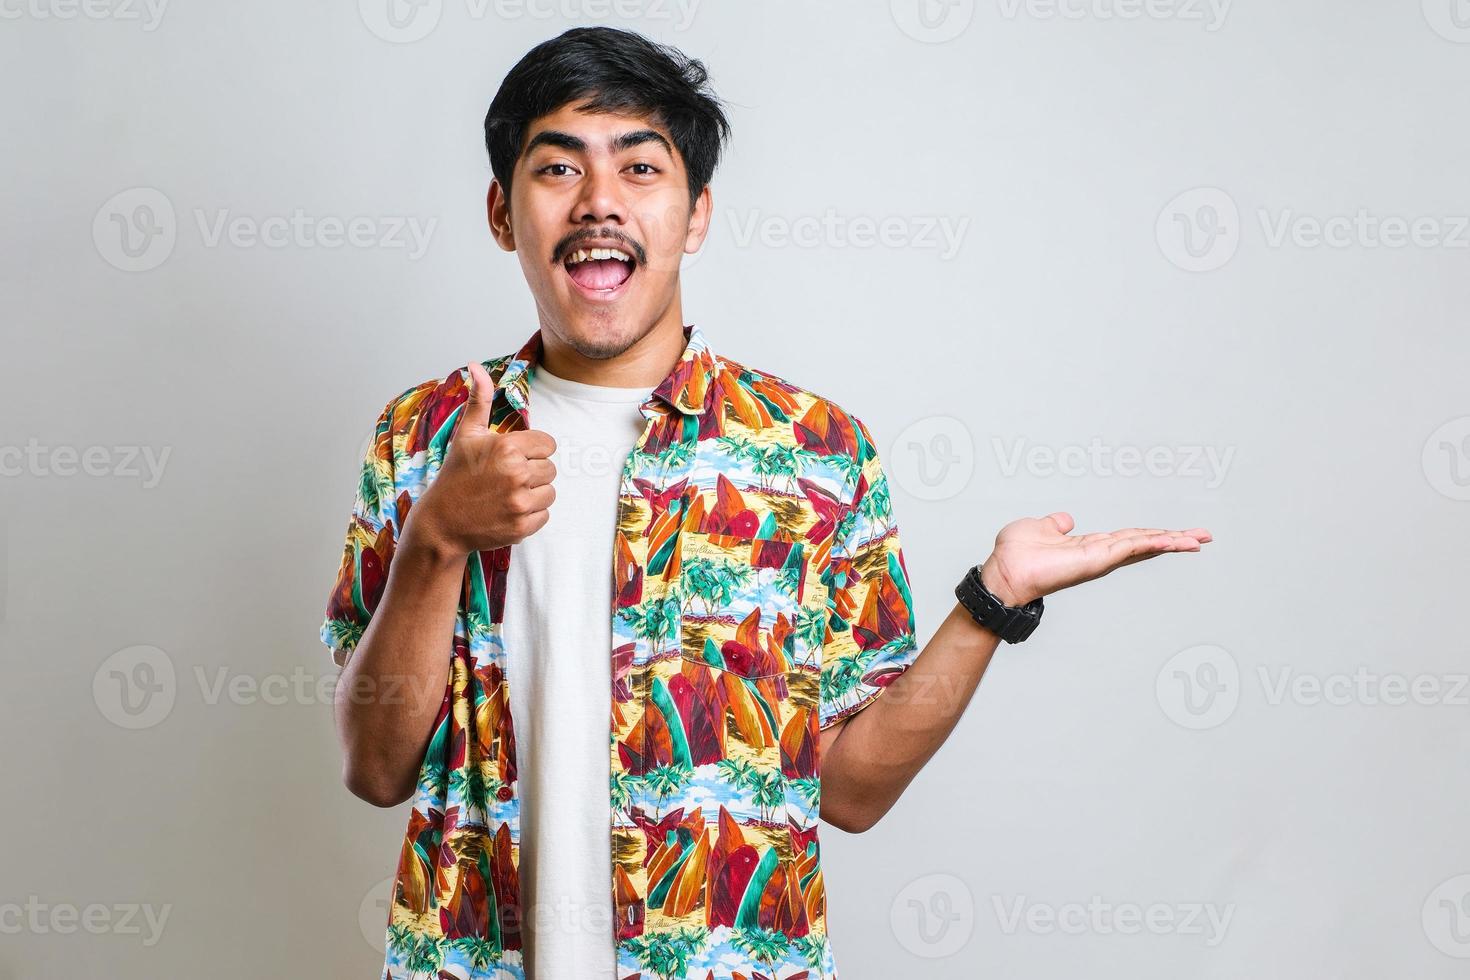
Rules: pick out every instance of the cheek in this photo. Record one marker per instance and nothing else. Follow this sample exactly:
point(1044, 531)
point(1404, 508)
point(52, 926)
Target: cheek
point(535, 266)
point(664, 231)
point(660, 279)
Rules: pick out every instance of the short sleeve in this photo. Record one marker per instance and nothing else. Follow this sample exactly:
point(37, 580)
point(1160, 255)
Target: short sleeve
point(372, 534)
point(870, 638)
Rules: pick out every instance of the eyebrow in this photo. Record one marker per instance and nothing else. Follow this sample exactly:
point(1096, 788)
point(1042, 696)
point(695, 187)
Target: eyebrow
point(620, 142)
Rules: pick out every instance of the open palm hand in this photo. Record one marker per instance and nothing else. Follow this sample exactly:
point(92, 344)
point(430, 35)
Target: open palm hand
point(1036, 556)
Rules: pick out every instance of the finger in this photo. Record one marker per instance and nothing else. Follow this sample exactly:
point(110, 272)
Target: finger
point(476, 414)
point(1062, 520)
point(540, 472)
point(1148, 545)
point(539, 498)
point(1147, 555)
point(1144, 547)
point(1127, 533)
point(1198, 533)
point(1189, 537)
point(534, 443)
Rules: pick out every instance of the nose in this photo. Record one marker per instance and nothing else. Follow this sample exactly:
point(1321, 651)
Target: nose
point(600, 199)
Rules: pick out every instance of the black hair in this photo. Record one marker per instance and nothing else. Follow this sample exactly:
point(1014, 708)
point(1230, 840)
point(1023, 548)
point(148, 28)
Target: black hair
point(606, 69)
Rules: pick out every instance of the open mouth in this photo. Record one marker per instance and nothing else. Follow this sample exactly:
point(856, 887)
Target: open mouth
point(599, 272)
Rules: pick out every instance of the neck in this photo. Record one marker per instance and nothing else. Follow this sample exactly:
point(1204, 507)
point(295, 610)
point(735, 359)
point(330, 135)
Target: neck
point(643, 363)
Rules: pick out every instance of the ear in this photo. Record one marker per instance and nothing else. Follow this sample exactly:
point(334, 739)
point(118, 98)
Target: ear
point(497, 211)
point(699, 219)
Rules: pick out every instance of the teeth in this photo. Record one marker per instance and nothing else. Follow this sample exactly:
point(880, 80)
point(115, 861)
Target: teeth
point(586, 254)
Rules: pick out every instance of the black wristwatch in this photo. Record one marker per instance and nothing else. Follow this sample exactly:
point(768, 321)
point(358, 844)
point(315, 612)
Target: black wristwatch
point(1011, 623)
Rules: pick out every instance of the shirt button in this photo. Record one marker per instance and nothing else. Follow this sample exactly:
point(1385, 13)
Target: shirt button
point(504, 793)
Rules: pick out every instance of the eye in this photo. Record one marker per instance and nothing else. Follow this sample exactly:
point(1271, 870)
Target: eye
point(551, 166)
point(650, 169)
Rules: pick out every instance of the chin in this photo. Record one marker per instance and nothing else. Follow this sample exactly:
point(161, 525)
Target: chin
point(600, 334)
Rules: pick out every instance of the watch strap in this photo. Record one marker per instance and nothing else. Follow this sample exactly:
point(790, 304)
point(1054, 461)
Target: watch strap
point(1011, 623)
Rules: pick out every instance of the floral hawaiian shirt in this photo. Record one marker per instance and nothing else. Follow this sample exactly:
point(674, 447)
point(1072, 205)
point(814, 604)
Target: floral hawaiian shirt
point(760, 595)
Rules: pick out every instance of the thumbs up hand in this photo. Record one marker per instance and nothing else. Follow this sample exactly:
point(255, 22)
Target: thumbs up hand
point(494, 488)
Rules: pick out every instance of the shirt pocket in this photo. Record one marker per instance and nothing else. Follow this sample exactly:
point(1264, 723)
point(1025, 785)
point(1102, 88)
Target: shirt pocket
point(740, 600)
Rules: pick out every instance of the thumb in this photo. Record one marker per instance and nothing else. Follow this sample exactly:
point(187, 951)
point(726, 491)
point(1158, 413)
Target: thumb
point(1062, 520)
point(476, 414)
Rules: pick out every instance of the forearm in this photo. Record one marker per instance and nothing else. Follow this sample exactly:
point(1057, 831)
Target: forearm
point(390, 692)
point(882, 747)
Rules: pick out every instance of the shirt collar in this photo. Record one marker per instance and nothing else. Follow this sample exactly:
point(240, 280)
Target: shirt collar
point(687, 386)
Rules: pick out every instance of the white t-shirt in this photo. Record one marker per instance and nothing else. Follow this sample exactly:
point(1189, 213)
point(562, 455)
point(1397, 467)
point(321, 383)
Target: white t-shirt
point(558, 637)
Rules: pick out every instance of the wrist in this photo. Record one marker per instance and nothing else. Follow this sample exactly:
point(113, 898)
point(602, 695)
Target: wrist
point(424, 539)
point(996, 604)
point(999, 586)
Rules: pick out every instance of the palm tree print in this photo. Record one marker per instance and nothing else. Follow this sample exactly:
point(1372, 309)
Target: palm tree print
point(665, 780)
point(656, 620)
point(479, 953)
point(476, 787)
point(765, 946)
point(789, 462)
point(809, 788)
point(842, 677)
point(714, 581)
point(811, 626)
point(737, 772)
point(622, 789)
point(666, 954)
point(767, 788)
point(426, 955)
point(769, 793)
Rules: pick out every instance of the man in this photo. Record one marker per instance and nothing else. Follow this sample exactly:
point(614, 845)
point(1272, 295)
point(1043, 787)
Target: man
point(619, 725)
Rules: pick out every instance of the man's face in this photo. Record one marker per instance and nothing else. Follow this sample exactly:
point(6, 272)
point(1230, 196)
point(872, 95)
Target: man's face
point(586, 183)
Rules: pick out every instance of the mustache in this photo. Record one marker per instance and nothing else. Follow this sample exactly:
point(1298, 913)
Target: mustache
point(575, 241)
